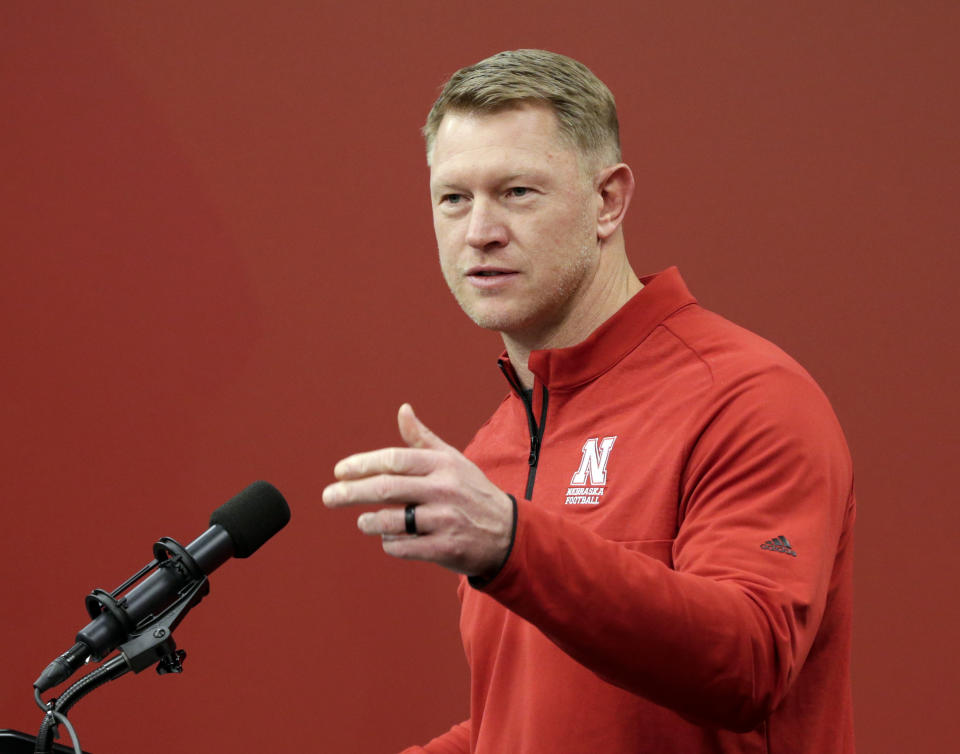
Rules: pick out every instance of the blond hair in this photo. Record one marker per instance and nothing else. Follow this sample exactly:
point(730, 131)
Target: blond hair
point(585, 109)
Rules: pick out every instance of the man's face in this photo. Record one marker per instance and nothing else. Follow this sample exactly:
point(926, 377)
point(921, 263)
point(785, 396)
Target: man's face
point(516, 220)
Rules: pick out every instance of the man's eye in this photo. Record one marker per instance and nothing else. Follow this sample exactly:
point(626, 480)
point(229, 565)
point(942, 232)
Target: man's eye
point(451, 198)
point(518, 191)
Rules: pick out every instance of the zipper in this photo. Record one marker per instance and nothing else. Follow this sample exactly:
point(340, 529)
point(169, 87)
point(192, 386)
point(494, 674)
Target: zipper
point(536, 428)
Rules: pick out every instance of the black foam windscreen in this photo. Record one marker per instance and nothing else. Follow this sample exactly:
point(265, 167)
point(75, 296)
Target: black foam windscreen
point(251, 517)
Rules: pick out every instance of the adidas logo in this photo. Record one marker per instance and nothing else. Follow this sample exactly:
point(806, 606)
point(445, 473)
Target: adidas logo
point(779, 544)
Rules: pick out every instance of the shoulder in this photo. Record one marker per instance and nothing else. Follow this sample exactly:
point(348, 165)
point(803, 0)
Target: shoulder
point(748, 391)
point(728, 351)
point(759, 405)
point(695, 361)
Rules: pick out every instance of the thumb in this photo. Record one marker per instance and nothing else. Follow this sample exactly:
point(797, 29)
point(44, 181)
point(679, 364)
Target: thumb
point(414, 432)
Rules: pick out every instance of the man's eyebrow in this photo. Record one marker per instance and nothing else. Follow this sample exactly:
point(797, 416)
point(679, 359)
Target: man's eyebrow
point(536, 176)
point(533, 175)
point(442, 187)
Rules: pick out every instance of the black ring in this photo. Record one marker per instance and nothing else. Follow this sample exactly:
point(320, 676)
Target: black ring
point(410, 518)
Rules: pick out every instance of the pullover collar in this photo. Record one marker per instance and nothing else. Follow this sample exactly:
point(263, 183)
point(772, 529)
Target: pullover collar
point(567, 368)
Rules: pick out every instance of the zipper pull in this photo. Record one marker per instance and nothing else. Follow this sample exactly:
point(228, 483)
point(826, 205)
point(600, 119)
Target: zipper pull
point(534, 450)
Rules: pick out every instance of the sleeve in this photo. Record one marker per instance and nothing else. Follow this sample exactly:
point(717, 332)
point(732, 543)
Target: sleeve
point(454, 741)
point(719, 633)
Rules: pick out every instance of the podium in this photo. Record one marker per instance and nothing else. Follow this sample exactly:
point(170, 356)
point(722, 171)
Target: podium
point(15, 742)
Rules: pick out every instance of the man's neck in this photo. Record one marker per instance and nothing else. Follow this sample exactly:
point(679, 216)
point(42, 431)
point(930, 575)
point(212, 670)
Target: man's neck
point(576, 327)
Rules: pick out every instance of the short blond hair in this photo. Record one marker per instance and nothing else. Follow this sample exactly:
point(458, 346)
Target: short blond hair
point(585, 109)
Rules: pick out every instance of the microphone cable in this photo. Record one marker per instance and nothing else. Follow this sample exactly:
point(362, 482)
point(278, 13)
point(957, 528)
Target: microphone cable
point(56, 709)
point(49, 726)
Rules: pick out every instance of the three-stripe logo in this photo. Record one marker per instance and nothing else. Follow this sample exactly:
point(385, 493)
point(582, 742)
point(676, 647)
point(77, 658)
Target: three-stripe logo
point(779, 544)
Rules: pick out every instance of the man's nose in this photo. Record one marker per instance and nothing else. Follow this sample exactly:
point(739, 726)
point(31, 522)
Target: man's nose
point(486, 228)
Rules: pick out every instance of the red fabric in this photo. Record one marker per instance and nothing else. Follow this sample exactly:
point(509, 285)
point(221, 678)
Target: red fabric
point(651, 617)
point(454, 741)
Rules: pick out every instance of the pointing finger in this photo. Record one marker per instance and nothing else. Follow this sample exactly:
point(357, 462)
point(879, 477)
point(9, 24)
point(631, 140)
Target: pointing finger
point(404, 461)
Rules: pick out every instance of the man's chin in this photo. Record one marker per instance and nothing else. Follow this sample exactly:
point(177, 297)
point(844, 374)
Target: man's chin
point(508, 324)
point(507, 318)
point(491, 320)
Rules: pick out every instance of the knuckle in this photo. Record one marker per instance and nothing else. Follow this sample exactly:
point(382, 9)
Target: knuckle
point(380, 522)
point(382, 487)
point(391, 460)
point(445, 485)
point(457, 549)
point(451, 517)
point(445, 463)
point(444, 518)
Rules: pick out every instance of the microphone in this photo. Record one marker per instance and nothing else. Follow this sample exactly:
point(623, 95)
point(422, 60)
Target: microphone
point(237, 529)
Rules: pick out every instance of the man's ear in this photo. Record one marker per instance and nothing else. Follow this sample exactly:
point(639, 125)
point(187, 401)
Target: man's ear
point(614, 187)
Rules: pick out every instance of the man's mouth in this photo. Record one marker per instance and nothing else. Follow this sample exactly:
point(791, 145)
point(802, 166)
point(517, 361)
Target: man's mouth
point(488, 273)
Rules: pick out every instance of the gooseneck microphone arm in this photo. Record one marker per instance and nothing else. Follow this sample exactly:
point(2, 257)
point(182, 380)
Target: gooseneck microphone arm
point(57, 711)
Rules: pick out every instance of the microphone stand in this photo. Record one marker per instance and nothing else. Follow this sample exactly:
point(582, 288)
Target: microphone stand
point(152, 643)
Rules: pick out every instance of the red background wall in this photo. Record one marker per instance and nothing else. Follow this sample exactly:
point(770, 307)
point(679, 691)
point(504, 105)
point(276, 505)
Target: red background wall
point(217, 265)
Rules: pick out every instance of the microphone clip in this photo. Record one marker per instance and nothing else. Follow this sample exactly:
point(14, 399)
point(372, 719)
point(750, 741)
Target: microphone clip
point(151, 640)
point(154, 643)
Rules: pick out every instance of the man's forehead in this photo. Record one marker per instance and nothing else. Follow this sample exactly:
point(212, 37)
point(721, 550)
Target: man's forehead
point(527, 134)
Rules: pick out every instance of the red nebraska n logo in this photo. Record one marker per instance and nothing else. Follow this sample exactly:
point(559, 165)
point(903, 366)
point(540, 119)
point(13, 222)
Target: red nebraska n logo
point(593, 464)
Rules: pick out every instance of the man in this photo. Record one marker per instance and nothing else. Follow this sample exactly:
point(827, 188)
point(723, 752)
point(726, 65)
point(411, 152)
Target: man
point(655, 527)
